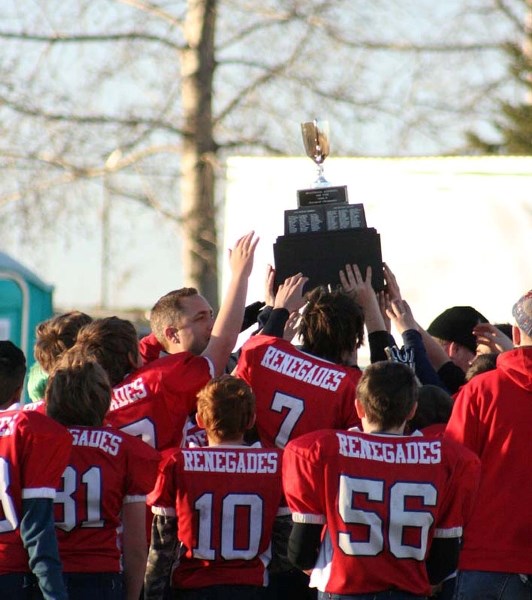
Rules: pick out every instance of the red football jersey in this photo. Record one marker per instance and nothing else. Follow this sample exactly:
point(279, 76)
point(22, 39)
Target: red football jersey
point(383, 499)
point(34, 451)
point(154, 401)
point(106, 469)
point(225, 499)
point(296, 392)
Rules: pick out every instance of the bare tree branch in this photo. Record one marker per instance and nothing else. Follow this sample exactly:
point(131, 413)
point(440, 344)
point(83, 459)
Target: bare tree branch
point(88, 119)
point(63, 38)
point(154, 10)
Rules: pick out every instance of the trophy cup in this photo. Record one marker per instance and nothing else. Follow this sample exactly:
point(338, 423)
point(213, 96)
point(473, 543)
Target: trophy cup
point(317, 146)
point(316, 140)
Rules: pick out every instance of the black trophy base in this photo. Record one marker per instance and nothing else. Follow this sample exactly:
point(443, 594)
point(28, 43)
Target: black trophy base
point(320, 256)
point(322, 195)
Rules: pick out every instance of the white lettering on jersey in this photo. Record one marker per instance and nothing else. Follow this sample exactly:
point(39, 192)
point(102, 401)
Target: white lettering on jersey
point(127, 393)
point(96, 438)
point(408, 452)
point(302, 369)
point(228, 461)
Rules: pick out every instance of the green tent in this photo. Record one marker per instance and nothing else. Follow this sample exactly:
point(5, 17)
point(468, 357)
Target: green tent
point(25, 301)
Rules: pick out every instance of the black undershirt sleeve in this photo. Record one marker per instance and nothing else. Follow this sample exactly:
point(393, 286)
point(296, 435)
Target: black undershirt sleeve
point(442, 559)
point(304, 544)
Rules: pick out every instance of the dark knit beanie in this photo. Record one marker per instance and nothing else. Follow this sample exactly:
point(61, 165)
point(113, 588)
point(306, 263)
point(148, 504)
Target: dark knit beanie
point(456, 325)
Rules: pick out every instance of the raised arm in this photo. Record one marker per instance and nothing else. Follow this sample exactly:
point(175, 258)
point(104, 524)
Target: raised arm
point(378, 335)
point(227, 325)
point(353, 283)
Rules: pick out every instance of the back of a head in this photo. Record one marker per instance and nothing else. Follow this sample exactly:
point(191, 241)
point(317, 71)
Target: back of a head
point(12, 373)
point(332, 325)
point(481, 364)
point(56, 335)
point(434, 406)
point(226, 406)
point(166, 311)
point(387, 391)
point(78, 391)
point(113, 343)
point(522, 313)
point(456, 325)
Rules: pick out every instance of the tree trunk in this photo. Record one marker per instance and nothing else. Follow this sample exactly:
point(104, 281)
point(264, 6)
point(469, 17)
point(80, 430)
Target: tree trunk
point(527, 44)
point(199, 151)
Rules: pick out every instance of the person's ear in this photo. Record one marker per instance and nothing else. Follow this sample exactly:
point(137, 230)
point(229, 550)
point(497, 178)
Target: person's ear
point(134, 359)
point(171, 334)
point(199, 421)
point(252, 420)
point(412, 412)
point(360, 409)
point(452, 349)
point(516, 335)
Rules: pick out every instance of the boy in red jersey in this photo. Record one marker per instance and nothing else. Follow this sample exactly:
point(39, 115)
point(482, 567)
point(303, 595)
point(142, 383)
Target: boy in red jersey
point(220, 500)
point(393, 505)
point(33, 453)
point(103, 488)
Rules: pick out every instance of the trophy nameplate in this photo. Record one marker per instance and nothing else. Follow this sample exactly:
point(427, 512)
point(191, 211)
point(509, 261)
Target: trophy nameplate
point(322, 195)
point(333, 217)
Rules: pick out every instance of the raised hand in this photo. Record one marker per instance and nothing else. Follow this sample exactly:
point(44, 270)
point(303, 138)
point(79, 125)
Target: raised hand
point(290, 293)
point(241, 256)
point(400, 313)
point(353, 283)
point(488, 335)
point(392, 287)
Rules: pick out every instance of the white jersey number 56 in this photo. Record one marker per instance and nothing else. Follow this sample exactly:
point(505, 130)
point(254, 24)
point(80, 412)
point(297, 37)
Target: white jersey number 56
point(399, 517)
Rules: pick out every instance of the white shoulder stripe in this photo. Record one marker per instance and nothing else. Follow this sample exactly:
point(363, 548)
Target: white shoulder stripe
point(451, 532)
point(163, 511)
point(308, 518)
point(134, 498)
point(44, 492)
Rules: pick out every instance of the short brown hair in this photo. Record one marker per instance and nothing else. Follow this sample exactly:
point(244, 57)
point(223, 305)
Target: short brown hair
point(387, 391)
point(78, 391)
point(113, 343)
point(56, 335)
point(332, 324)
point(167, 311)
point(226, 406)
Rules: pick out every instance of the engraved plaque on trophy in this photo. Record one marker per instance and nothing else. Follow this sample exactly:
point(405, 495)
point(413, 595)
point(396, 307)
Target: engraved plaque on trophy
point(330, 217)
point(317, 146)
